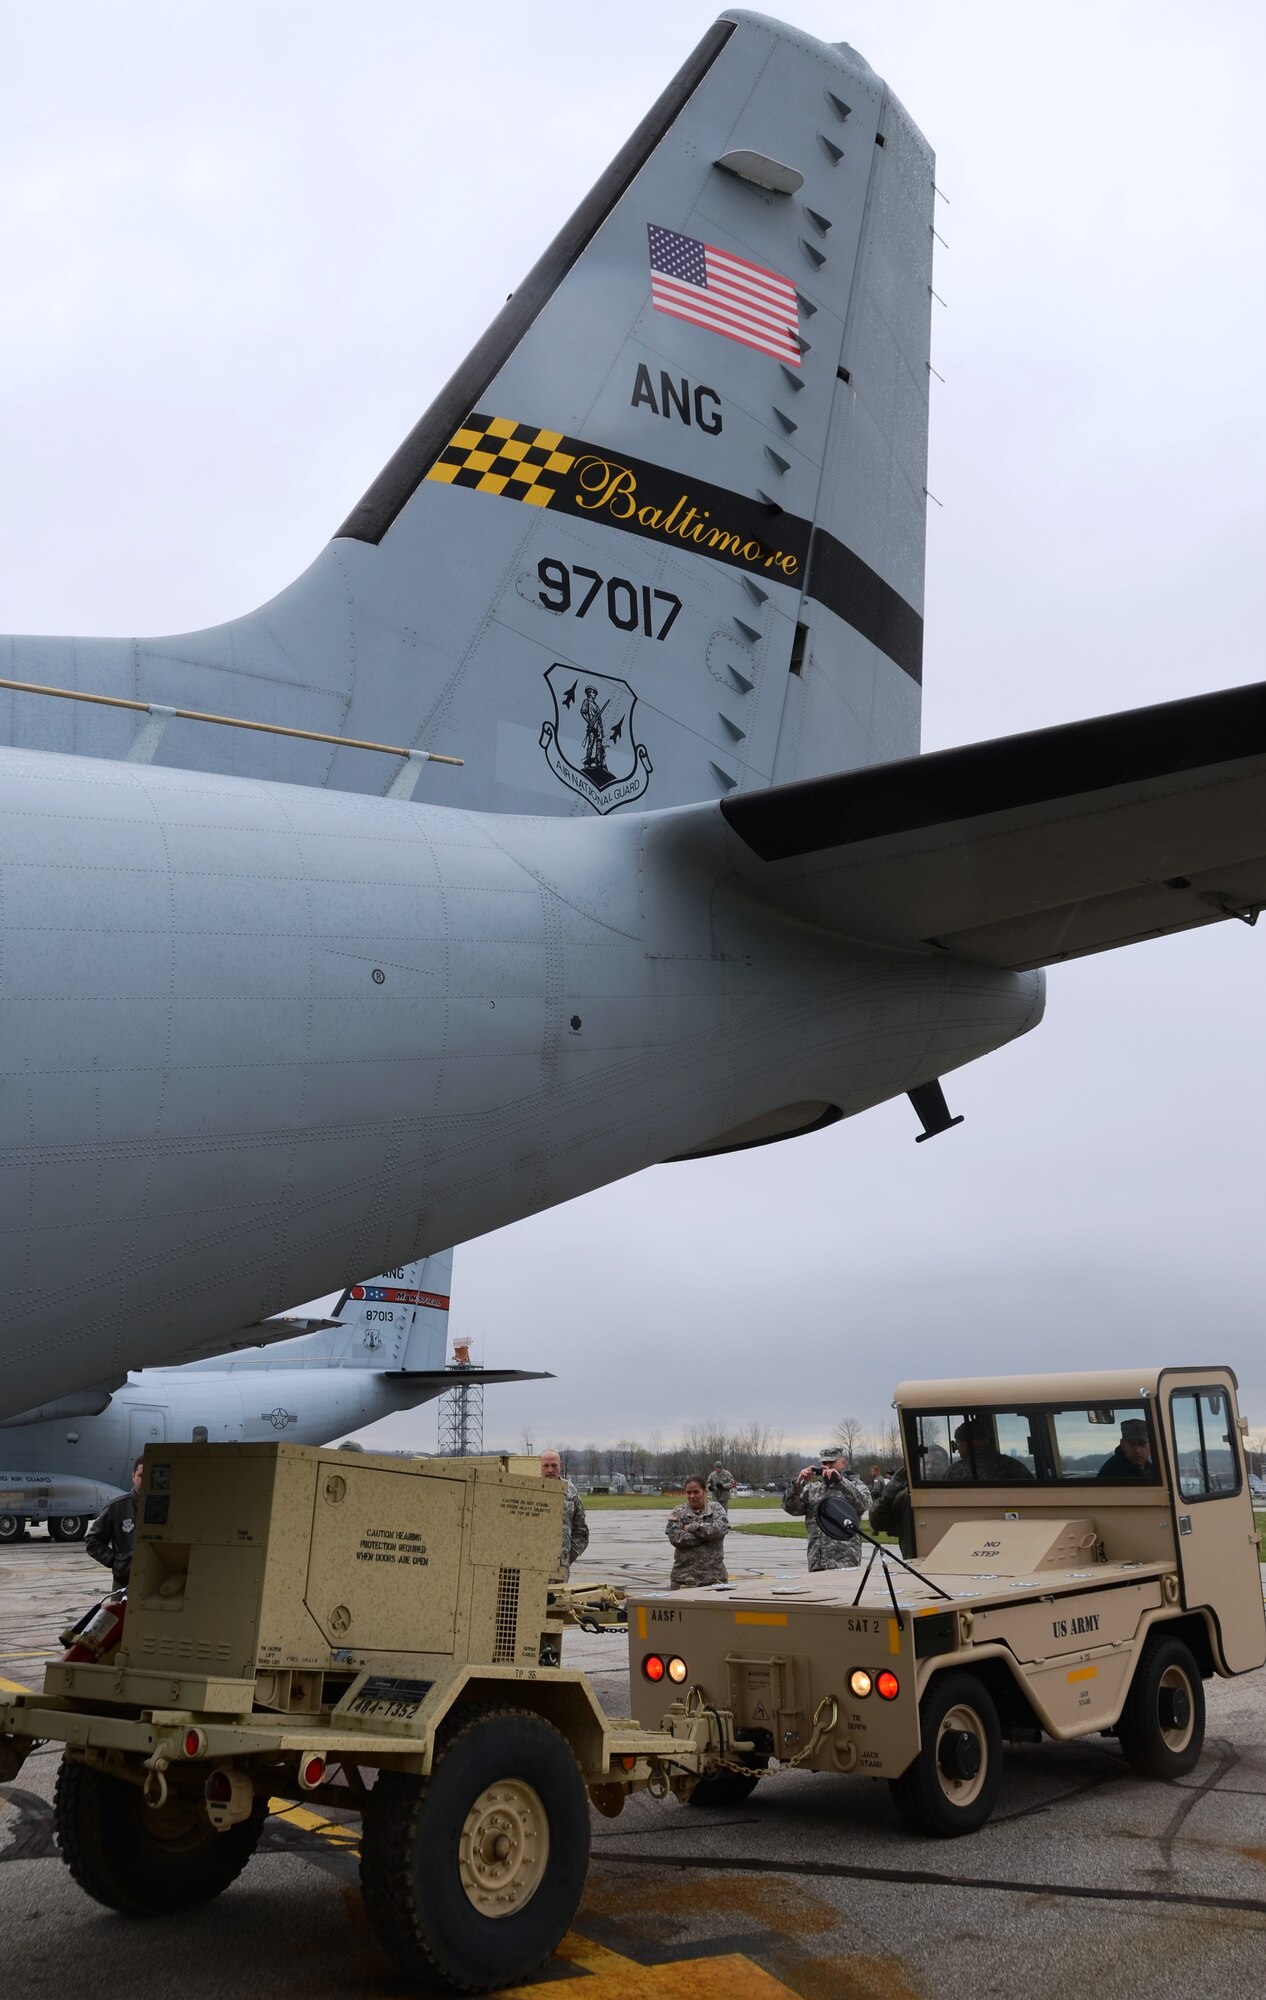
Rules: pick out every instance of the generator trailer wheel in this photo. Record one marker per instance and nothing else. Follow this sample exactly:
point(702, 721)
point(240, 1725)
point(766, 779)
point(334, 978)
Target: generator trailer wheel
point(142, 1860)
point(476, 1872)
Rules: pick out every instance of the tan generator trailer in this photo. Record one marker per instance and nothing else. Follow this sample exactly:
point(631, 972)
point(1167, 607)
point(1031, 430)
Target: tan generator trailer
point(385, 1636)
point(1086, 1558)
point(355, 1631)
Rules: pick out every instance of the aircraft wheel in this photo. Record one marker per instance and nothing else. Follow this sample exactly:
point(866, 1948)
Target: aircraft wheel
point(12, 1527)
point(476, 1872)
point(143, 1861)
point(68, 1528)
point(1161, 1729)
point(953, 1784)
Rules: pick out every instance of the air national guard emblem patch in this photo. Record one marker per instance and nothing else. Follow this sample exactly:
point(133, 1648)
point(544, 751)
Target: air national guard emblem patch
point(590, 745)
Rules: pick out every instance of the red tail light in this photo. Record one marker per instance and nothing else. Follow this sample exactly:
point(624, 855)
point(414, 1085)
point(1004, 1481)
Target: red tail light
point(653, 1667)
point(887, 1686)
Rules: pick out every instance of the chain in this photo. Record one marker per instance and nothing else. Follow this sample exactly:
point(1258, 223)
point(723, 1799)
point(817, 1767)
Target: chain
point(825, 1717)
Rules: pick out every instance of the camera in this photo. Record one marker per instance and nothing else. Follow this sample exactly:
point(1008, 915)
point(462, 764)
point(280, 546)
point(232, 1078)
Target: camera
point(816, 1470)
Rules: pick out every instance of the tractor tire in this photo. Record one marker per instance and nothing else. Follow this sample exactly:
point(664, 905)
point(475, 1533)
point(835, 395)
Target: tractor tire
point(1161, 1727)
point(727, 1788)
point(953, 1784)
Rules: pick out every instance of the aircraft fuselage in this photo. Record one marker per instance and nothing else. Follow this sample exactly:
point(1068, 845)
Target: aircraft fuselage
point(161, 1405)
point(256, 1039)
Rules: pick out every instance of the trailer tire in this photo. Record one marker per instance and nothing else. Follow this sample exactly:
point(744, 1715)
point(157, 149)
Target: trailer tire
point(12, 1527)
point(68, 1528)
point(1161, 1727)
point(727, 1788)
point(140, 1861)
point(953, 1784)
point(504, 1813)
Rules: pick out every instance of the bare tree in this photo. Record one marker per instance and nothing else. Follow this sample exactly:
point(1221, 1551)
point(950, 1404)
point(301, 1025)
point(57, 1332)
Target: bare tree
point(525, 1439)
point(850, 1431)
point(629, 1457)
point(656, 1466)
point(701, 1444)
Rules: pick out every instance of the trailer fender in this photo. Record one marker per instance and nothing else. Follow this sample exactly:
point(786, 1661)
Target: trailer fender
point(569, 1704)
point(13, 1755)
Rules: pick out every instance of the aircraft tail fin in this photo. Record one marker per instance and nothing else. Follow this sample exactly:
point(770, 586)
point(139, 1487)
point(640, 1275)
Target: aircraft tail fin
point(399, 1320)
point(661, 536)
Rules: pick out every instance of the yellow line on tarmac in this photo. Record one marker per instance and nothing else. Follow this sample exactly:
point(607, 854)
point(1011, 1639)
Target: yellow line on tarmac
point(13, 1687)
point(311, 1822)
point(613, 1977)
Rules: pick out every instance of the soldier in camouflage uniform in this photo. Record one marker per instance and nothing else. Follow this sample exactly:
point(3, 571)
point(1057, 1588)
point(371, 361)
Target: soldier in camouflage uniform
point(721, 1484)
point(804, 1496)
point(575, 1526)
point(697, 1530)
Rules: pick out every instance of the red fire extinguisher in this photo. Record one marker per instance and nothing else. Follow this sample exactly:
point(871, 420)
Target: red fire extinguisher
point(100, 1635)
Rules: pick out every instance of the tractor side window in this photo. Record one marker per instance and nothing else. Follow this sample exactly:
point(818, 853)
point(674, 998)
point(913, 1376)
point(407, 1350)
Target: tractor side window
point(928, 1436)
point(1014, 1430)
point(1208, 1465)
point(1108, 1443)
point(977, 1447)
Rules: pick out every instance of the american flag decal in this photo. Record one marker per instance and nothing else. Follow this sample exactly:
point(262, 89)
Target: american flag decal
point(728, 294)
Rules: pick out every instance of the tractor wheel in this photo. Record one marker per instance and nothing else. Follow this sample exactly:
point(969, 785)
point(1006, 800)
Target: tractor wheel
point(726, 1788)
point(1161, 1728)
point(953, 1784)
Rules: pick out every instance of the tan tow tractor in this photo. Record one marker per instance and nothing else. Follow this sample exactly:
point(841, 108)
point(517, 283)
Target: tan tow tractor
point(1087, 1559)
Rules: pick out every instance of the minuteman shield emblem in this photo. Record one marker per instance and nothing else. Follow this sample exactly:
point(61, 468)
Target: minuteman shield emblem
point(590, 744)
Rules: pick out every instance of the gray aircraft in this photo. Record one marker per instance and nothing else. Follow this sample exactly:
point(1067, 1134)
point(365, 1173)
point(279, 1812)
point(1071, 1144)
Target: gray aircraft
point(651, 565)
point(383, 1350)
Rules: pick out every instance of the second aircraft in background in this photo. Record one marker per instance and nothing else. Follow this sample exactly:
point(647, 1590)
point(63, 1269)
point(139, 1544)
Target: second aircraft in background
point(384, 1350)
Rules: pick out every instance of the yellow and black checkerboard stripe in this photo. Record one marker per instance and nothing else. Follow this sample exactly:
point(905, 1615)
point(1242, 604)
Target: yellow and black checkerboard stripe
point(496, 455)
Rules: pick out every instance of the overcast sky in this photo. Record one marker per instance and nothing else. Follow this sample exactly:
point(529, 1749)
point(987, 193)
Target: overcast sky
point(244, 244)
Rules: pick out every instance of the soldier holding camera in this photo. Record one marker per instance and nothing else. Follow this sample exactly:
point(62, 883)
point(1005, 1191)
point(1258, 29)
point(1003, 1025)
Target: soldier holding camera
point(805, 1495)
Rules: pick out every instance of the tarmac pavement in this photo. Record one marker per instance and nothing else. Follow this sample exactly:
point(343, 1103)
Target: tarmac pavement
point(1087, 1879)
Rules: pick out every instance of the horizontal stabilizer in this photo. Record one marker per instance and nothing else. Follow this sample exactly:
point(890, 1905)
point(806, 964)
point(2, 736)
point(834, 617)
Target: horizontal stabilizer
point(448, 1378)
point(285, 1326)
point(1029, 849)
